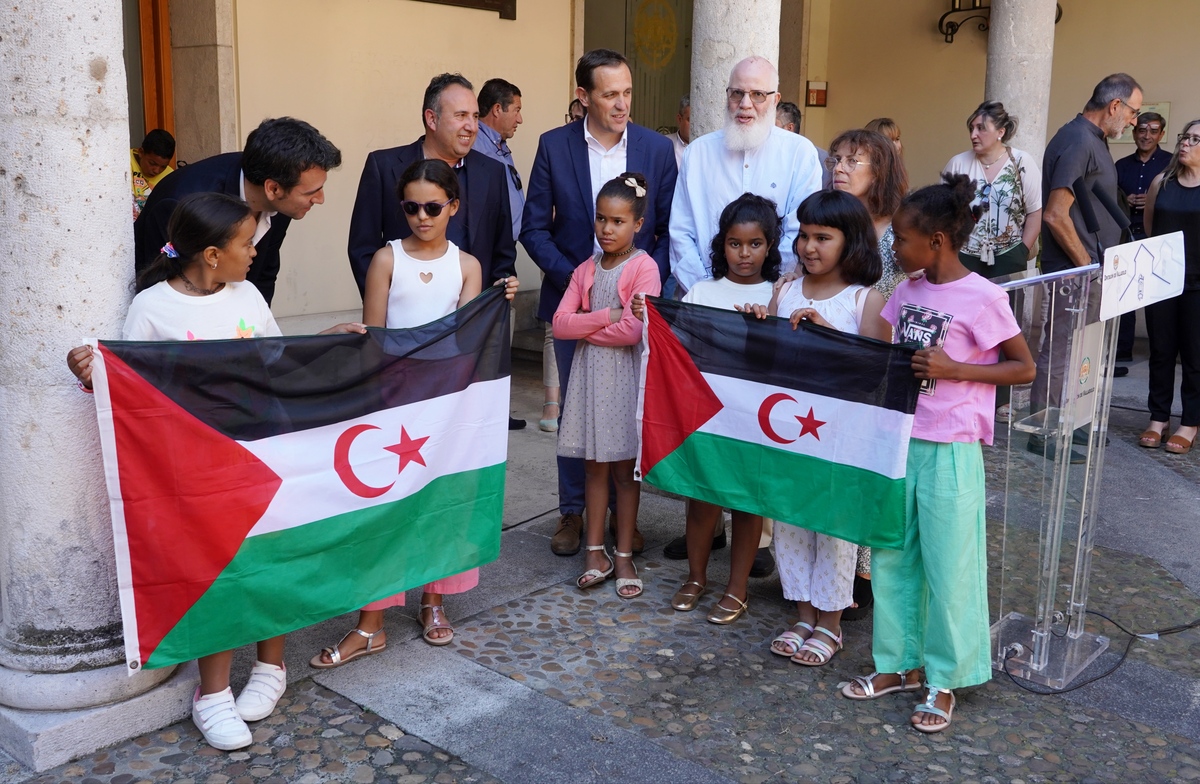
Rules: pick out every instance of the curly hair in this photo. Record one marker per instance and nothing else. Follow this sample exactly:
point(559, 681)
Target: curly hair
point(749, 208)
point(945, 207)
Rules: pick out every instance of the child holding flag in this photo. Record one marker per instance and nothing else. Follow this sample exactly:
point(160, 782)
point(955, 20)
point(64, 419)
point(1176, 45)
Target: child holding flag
point(931, 597)
point(599, 422)
point(196, 290)
point(745, 262)
point(411, 282)
point(839, 262)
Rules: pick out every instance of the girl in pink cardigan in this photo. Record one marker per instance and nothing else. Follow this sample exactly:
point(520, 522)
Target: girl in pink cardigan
point(599, 416)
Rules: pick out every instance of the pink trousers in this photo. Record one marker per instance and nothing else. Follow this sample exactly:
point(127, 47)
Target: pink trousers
point(459, 583)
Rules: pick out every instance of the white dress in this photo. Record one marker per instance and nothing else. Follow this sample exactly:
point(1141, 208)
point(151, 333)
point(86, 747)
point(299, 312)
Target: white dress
point(422, 291)
point(814, 567)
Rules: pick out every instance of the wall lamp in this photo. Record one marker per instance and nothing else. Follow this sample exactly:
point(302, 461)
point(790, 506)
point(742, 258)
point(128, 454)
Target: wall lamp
point(963, 11)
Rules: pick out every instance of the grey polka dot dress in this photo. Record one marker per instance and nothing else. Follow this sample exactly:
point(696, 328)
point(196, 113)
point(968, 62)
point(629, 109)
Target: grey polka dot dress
point(600, 417)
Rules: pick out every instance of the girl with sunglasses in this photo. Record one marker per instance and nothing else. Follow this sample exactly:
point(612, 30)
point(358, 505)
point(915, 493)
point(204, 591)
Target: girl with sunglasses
point(412, 282)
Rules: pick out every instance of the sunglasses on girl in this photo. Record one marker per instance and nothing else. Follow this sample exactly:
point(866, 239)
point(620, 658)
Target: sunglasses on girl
point(432, 208)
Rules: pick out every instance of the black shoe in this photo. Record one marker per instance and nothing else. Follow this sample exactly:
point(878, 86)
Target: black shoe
point(764, 563)
point(864, 597)
point(676, 549)
point(516, 424)
point(1124, 357)
point(1038, 445)
point(1120, 371)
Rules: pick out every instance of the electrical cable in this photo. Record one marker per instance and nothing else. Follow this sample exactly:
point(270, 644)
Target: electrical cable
point(529, 519)
point(1133, 637)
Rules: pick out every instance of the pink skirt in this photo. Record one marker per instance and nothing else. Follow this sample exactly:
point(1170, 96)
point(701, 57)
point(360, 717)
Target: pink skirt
point(458, 583)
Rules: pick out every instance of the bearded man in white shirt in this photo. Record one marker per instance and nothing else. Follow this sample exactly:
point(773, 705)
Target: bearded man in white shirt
point(749, 155)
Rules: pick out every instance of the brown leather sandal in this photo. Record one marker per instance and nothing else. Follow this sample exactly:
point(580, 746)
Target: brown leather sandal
point(1178, 445)
point(1150, 439)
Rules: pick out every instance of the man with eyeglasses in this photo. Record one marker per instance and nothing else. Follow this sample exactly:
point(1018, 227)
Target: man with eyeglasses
point(1134, 175)
point(749, 155)
point(483, 225)
point(1078, 180)
point(499, 116)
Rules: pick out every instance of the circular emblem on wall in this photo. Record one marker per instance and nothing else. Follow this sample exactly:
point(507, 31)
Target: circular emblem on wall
point(655, 34)
point(1085, 370)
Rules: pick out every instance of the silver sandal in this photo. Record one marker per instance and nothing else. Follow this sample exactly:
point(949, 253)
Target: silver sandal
point(335, 654)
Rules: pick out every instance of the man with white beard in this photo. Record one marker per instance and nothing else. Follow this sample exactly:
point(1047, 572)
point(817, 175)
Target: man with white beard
point(749, 155)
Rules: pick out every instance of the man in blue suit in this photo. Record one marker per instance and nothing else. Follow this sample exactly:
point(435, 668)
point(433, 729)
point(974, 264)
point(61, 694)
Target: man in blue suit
point(571, 165)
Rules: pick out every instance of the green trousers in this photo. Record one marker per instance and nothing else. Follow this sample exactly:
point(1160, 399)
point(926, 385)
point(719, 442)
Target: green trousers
point(931, 597)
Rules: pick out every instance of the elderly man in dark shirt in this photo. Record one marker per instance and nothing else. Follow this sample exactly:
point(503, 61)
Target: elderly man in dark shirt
point(1134, 175)
point(1078, 177)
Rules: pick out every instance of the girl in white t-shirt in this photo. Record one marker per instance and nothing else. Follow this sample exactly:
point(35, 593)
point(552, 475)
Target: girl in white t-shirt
point(196, 290)
point(839, 262)
point(745, 262)
point(411, 282)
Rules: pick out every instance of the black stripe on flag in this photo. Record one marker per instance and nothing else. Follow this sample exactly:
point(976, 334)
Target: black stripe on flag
point(251, 389)
point(810, 359)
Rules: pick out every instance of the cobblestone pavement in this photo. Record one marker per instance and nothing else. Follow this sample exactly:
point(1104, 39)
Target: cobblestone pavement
point(716, 696)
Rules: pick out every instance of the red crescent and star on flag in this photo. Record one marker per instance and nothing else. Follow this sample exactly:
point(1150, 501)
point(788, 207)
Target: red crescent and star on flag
point(408, 450)
point(809, 425)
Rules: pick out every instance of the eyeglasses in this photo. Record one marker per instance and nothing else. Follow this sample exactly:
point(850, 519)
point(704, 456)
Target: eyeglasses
point(849, 164)
point(1136, 112)
point(735, 96)
point(985, 197)
point(516, 176)
point(432, 208)
point(1189, 139)
point(1148, 129)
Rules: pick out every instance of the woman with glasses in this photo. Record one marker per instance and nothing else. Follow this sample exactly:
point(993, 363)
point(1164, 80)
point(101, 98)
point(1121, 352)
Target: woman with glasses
point(865, 164)
point(1173, 204)
point(1008, 191)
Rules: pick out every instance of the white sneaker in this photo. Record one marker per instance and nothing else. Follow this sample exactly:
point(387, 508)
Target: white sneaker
point(262, 692)
point(1004, 414)
point(217, 717)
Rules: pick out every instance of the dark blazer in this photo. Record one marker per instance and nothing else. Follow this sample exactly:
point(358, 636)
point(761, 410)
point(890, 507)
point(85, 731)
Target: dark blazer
point(557, 226)
point(218, 174)
point(376, 219)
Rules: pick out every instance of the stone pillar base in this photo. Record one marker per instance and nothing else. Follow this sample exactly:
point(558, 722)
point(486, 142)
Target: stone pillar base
point(44, 739)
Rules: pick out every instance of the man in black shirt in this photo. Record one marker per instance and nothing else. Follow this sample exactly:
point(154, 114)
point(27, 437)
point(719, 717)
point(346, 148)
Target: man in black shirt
point(1078, 180)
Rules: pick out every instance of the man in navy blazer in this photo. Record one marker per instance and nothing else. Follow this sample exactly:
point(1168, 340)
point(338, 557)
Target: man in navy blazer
point(483, 224)
point(281, 174)
point(573, 162)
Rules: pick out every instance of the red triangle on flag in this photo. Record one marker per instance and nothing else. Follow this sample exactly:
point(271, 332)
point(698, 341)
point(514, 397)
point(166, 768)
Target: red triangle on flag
point(189, 493)
point(677, 400)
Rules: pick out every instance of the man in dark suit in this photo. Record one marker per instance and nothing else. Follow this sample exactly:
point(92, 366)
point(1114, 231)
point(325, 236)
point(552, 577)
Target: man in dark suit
point(281, 174)
point(483, 224)
point(571, 165)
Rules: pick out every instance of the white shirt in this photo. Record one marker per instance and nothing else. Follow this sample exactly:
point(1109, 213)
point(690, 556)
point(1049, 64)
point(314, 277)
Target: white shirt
point(680, 145)
point(264, 217)
point(724, 293)
point(784, 169)
point(604, 164)
point(236, 311)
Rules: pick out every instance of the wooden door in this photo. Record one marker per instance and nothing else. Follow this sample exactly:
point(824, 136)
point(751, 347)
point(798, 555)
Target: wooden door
point(157, 91)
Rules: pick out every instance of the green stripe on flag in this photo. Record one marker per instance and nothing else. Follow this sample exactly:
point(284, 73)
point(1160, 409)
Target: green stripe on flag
point(286, 580)
point(819, 495)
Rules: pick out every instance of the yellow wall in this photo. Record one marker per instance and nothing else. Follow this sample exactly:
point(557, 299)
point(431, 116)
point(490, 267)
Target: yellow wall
point(357, 70)
point(886, 58)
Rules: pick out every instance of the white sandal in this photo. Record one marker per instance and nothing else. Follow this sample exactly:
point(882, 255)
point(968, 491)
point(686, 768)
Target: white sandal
point(792, 639)
point(335, 655)
point(593, 577)
point(628, 582)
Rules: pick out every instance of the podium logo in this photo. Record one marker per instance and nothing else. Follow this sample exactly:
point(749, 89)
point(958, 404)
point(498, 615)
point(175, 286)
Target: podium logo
point(1085, 370)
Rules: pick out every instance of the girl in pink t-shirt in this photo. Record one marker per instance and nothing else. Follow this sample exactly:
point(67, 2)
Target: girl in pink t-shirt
point(931, 596)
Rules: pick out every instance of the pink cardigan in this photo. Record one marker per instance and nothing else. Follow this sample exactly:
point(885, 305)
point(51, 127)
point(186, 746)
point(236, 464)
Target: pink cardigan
point(640, 276)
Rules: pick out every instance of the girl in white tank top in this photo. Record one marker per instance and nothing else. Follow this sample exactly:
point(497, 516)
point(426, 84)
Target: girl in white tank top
point(411, 282)
point(840, 260)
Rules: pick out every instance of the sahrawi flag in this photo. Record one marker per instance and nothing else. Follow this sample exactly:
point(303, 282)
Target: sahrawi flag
point(259, 486)
point(808, 427)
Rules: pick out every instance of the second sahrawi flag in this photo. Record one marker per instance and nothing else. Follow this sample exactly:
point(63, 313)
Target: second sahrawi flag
point(808, 427)
point(259, 486)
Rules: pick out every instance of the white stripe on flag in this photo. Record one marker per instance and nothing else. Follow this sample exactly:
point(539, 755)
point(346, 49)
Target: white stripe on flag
point(467, 430)
point(853, 434)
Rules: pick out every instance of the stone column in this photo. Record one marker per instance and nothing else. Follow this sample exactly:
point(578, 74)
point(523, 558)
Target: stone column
point(724, 32)
point(66, 265)
point(1019, 63)
point(204, 70)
